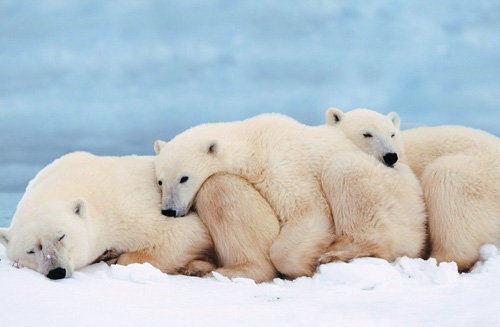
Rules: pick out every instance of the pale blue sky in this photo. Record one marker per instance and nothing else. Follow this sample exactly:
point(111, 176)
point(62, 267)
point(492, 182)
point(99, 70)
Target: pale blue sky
point(112, 76)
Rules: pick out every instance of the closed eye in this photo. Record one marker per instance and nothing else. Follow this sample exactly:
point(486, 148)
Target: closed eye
point(367, 135)
point(393, 135)
point(30, 252)
point(61, 238)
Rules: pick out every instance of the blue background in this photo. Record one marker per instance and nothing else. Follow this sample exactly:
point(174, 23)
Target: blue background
point(112, 76)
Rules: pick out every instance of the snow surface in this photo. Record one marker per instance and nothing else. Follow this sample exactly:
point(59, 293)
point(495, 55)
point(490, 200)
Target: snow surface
point(367, 291)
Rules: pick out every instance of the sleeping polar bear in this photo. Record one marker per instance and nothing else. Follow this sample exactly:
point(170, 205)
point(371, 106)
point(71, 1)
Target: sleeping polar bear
point(82, 205)
point(459, 170)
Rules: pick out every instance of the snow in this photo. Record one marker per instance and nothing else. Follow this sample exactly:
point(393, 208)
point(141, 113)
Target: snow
point(367, 291)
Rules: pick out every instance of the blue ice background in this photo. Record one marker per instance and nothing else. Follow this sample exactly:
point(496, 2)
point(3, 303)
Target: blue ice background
point(112, 76)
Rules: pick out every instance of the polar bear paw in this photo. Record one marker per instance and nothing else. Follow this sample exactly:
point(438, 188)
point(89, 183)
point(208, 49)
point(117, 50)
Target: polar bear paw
point(197, 268)
point(329, 257)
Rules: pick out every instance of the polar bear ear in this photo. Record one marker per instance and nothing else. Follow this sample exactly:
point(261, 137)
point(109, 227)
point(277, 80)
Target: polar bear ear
point(334, 116)
point(158, 145)
point(80, 208)
point(212, 148)
point(394, 117)
point(4, 238)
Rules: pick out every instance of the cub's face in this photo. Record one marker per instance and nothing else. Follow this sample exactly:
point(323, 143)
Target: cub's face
point(181, 169)
point(51, 238)
point(373, 133)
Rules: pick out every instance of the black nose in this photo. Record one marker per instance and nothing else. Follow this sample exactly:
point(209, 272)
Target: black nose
point(58, 273)
point(169, 212)
point(390, 159)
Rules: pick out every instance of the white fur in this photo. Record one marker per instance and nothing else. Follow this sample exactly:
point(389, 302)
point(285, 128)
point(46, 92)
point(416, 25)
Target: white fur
point(385, 136)
point(402, 209)
point(4, 236)
point(285, 161)
point(98, 203)
point(280, 158)
point(459, 169)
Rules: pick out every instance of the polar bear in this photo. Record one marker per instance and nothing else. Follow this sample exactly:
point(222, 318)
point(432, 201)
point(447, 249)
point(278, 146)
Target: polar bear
point(242, 224)
point(82, 205)
point(375, 134)
point(285, 162)
point(459, 170)
point(404, 217)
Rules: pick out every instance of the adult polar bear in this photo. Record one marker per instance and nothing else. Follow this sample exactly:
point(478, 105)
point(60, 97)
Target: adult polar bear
point(82, 205)
point(298, 169)
point(459, 169)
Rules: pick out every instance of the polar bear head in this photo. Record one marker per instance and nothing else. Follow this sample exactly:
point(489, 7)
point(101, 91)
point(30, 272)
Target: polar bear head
point(183, 164)
point(373, 133)
point(54, 242)
point(51, 231)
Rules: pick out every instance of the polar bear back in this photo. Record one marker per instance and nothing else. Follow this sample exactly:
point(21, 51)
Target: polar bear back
point(423, 145)
point(293, 157)
point(281, 157)
point(106, 182)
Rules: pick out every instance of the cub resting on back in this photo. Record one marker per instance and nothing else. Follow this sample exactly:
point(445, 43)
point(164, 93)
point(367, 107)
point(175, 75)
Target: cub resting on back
point(459, 170)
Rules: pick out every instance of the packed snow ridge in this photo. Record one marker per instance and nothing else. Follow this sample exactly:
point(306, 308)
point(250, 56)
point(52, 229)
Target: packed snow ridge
point(367, 291)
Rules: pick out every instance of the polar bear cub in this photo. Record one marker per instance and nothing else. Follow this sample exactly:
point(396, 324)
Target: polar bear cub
point(401, 211)
point(372, 132)
point(273, 153)
point(458, 169)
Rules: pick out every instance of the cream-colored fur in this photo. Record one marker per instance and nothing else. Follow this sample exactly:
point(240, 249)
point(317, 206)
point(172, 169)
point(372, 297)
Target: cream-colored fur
point(285, 161)
point(242, 225)
point(372, 132)
point(278, 156)
point(459, 169)
point(379, 211)
point(82, 205)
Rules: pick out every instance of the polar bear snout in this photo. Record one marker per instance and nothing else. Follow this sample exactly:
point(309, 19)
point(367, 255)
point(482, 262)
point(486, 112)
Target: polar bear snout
point(390, 159)
point(169, 212)
point(173, 205)
point(54, 264)
point(57, 273)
